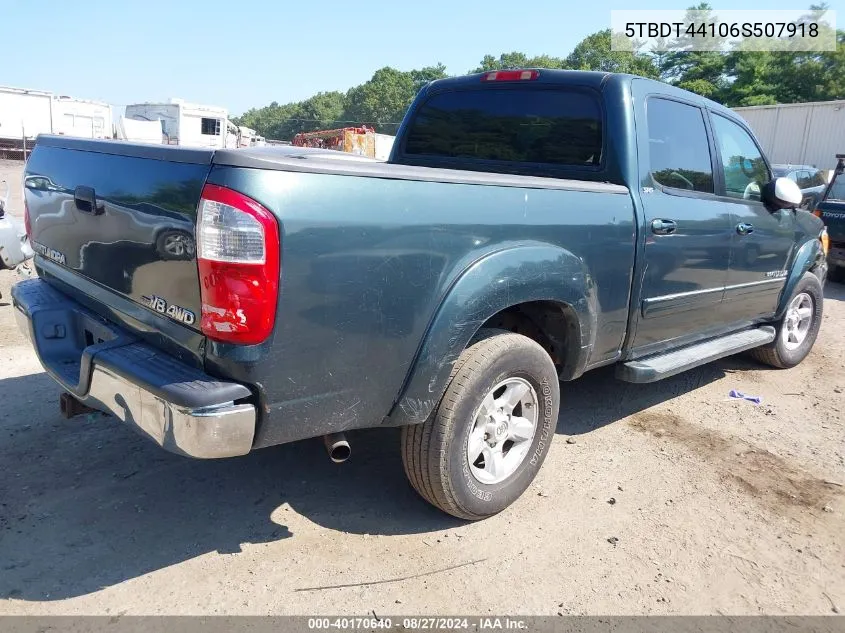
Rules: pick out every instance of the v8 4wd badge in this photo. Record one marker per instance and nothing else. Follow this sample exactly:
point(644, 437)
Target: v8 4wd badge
point(177, 313)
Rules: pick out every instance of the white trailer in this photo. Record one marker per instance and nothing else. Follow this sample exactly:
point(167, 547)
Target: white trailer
point(799, 133)
point(25, 113)
point(184, 123)
point(81, 117)
point(139, 131)
point(247, 137)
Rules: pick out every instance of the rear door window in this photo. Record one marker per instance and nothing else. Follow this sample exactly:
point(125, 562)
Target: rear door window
point(540, 126)
point(678, 149)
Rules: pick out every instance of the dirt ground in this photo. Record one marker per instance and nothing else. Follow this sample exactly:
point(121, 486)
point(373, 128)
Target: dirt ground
point(671, 499)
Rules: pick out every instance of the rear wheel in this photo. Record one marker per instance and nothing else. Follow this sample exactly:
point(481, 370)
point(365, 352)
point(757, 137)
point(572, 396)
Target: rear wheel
point(799, 327)
point(486, 440)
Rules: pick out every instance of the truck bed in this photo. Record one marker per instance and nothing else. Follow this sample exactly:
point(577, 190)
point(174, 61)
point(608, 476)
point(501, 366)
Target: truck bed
point(369, 250)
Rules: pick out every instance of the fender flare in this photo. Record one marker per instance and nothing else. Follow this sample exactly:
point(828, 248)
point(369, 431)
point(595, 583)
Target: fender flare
point(499, 280)
point(807, 256)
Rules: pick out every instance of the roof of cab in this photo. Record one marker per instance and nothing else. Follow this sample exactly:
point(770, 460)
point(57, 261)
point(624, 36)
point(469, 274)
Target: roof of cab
point(588, 78)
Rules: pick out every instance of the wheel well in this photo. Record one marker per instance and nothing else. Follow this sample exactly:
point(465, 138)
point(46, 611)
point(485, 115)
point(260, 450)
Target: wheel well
point(553, 325)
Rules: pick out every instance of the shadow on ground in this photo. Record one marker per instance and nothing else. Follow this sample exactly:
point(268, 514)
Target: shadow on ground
point(835, 291)
point(86, 503)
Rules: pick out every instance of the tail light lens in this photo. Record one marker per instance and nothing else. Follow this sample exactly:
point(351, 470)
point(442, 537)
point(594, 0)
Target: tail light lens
point(817, 213)
point(238, 259)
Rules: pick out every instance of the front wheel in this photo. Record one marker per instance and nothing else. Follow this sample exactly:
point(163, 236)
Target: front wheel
point(486, 440)
point(799, 327)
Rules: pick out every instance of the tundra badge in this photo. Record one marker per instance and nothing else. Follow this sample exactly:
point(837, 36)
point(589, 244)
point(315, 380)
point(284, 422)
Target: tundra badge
point(175, 312)
point(48, 252)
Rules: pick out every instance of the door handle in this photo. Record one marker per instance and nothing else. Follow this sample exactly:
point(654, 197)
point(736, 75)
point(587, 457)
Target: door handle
point(663, 227)
point(744, 228)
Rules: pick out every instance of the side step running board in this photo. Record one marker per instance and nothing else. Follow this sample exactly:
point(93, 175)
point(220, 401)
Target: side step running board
point(655, 368)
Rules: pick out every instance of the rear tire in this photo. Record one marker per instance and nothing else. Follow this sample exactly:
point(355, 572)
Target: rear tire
point(473, 457)
point(797, 330)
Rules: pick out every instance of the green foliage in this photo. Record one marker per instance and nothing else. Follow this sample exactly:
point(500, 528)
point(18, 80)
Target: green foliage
point(756, 77)
point(594, 53)
point(737, 78)
point(382, 101)
point(518, 60)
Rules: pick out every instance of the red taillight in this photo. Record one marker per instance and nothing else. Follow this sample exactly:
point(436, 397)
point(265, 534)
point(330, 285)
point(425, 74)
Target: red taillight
point(510, 75)
point(238, 258)
point(817, 213)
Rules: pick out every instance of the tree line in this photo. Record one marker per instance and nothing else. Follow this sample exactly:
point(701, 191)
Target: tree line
point(734, 78)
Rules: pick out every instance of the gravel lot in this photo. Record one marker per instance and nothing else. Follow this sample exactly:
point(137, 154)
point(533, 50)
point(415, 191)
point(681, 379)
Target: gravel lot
point(670, 498)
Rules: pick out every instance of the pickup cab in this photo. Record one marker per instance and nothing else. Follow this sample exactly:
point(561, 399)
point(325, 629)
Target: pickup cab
point(529, 226)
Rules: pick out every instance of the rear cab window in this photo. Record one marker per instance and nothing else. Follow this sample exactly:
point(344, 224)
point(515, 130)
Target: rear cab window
point(510, 128)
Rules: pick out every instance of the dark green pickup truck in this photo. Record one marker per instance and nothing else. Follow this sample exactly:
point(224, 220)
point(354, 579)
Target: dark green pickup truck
point(528, 227)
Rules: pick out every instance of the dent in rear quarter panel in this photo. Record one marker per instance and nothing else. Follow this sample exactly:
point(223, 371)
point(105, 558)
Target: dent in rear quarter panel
point(366, 262)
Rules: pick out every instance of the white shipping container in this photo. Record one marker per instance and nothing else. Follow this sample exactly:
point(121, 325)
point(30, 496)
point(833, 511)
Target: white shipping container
point(80, 117)
point(384, 145)
point(799, 133)
point(25, 113)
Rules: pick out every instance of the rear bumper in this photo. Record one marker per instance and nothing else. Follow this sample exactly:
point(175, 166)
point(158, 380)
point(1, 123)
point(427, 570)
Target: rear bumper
point(836, 255)
point(180, 408)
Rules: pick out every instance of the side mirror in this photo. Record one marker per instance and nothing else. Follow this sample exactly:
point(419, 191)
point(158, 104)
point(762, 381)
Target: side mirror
point(782, 193)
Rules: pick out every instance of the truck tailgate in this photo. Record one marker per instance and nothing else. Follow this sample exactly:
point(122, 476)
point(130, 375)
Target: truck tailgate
point(123, 216)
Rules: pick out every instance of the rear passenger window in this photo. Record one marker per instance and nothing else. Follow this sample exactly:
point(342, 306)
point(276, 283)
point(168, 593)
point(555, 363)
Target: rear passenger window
point(679, 154)
point(516, 125)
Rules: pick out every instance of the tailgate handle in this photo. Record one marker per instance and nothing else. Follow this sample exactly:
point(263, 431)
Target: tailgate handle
point(86, 200)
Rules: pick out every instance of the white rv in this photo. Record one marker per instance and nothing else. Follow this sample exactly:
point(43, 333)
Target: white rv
point(184, 123)
point(247, 137)
point(80, 117)
point(139, 131)
point(25, 113)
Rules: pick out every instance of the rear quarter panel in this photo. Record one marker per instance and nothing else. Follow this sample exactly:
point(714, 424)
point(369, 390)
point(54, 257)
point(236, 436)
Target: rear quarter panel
point(366, 262)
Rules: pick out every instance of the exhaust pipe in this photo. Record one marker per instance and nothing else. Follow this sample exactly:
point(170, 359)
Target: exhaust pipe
point(337, 447)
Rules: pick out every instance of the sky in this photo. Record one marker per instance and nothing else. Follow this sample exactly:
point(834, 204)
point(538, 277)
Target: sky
point(247, 53)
